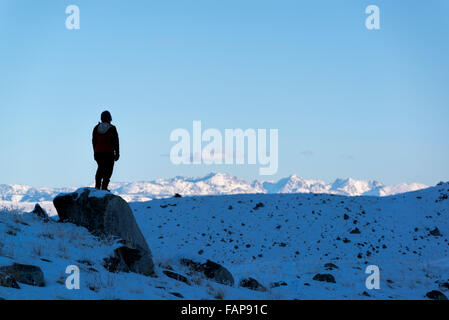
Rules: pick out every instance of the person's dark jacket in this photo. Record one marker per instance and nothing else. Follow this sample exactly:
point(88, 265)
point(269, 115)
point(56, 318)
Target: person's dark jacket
point(105, 139)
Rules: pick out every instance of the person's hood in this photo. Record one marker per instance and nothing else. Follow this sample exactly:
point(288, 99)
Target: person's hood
point(104, 127)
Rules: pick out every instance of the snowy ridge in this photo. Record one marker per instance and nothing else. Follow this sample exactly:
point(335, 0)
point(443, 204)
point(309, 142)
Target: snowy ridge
point(281, 240)
point(215, 184)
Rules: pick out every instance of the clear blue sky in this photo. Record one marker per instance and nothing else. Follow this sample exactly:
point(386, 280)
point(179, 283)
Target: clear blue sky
point(348, 102)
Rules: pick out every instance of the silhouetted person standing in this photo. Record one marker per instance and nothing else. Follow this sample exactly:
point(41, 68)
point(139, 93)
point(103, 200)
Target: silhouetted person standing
point(106, 150)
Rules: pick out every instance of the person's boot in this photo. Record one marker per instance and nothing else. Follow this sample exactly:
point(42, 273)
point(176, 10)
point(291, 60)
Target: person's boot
point(105, 184)
point(98, 184)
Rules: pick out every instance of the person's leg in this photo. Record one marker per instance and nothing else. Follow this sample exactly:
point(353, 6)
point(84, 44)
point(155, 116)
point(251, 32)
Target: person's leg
point(108, 169)
point(99, 174)
point(99, 177)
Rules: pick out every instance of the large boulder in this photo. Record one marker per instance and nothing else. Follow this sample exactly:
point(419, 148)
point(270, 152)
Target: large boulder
point(105, 214)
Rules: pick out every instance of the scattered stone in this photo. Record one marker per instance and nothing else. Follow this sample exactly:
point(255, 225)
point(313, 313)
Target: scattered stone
point(355, 231)
point(279, 284)
point(124, 259)
point(85, 262)
point(26, 274)
point(7, 281)
point(259, 205)
point(436, 295)
point(282, 244)
point(444, 286)
point(435, 232)
point(176, 276)
point(211, 270)
point(330, 266)
point(252, 284)
point(324, 278)
point(177, 294)
point(39, 212)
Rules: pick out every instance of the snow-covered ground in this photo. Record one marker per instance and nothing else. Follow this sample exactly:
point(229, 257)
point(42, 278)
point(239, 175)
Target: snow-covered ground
point(273, 238)
point(25, 197)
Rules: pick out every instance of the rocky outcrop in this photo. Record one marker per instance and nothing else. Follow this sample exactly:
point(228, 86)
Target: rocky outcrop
point(104, 215)
point(22, 273)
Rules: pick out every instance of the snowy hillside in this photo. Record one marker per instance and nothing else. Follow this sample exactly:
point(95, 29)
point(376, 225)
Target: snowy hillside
point(213, 184)
point(284, 241)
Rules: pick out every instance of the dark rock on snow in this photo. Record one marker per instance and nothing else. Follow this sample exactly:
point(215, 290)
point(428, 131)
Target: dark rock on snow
point(124, 259)
point(177, 294)
point(39, 212)
point(26, 274)
point(259, 205)
point(324, 278)
point(444, 286)
point(330, 266)
point(435, 232)
point(211, 270)
point(176, 276)
point(436, 295)
point(252, 284)
point(279, 284)
point(7, 281)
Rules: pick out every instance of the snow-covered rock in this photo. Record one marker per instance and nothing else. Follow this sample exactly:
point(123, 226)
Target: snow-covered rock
point(105, 214)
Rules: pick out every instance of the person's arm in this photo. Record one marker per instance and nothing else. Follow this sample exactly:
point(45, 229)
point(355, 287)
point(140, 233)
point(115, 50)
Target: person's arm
point(116, 144)
point(94, 138)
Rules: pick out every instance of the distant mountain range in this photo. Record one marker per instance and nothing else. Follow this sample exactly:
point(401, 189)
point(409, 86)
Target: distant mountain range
point(214, 184)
